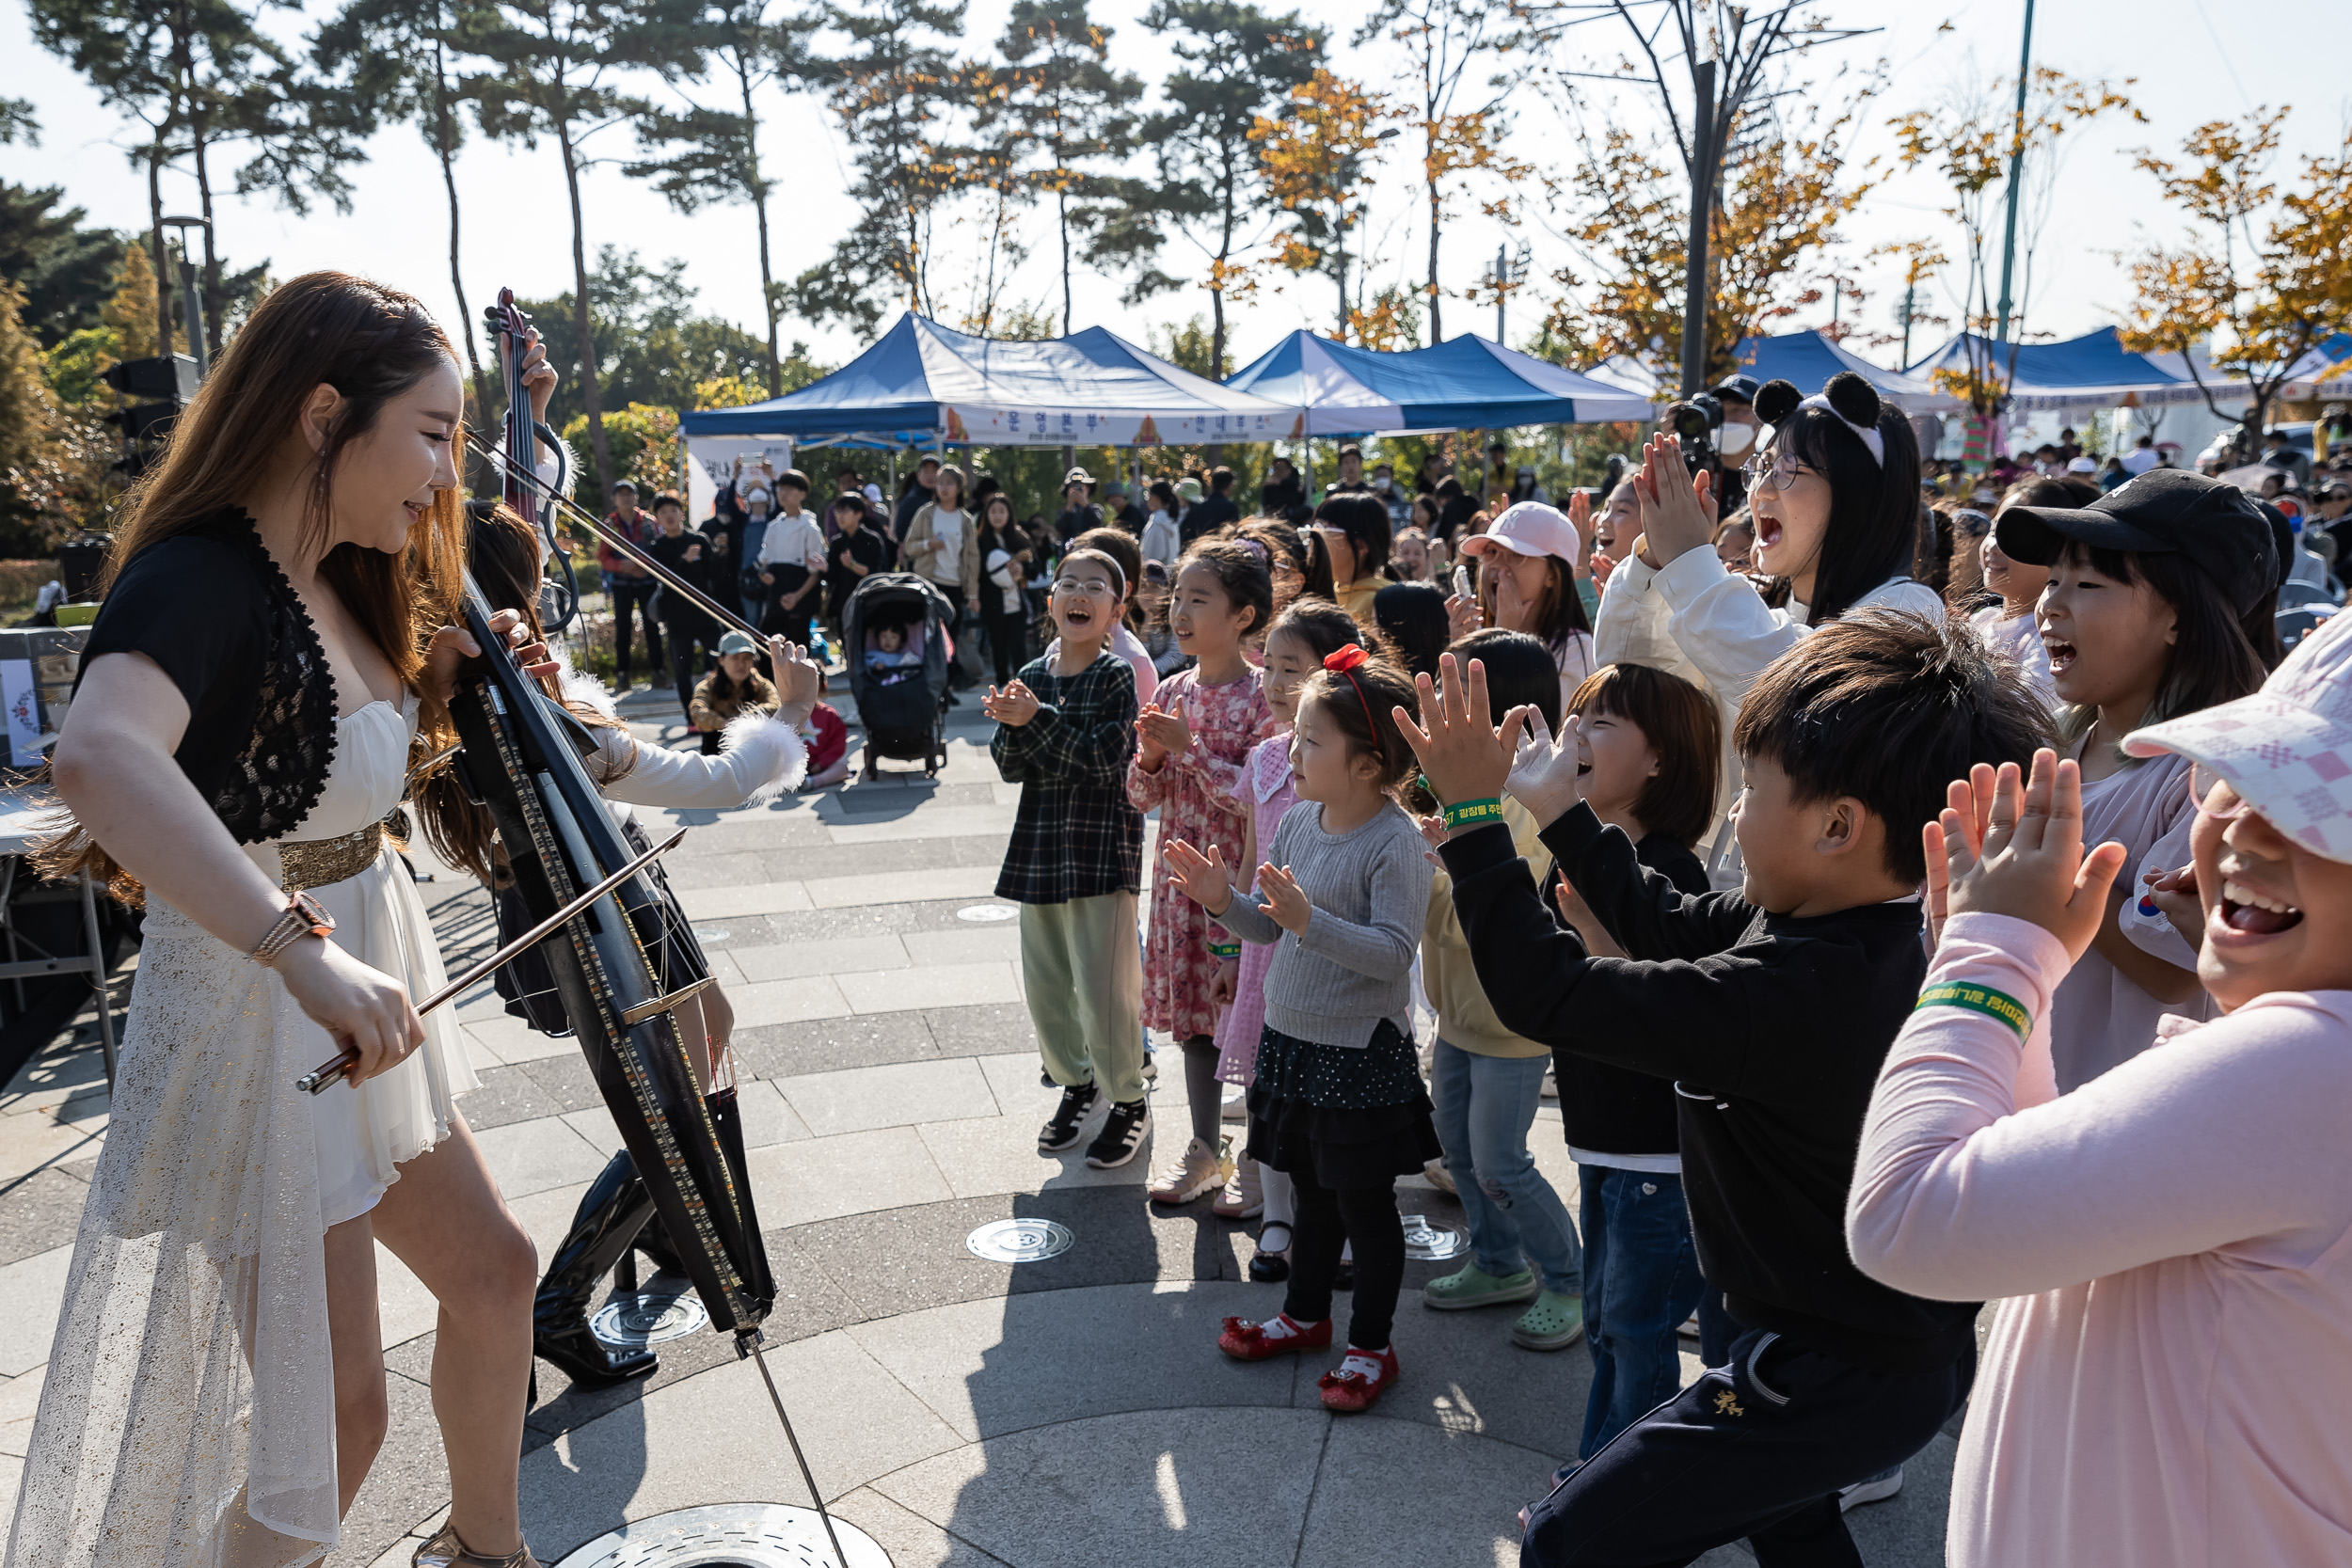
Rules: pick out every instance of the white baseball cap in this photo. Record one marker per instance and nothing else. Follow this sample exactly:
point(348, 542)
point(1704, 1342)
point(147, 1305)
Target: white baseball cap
point(2286, 748)
point(1530, 528)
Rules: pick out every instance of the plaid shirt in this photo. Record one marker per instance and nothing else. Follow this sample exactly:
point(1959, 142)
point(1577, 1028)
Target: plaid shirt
point(1076, 835)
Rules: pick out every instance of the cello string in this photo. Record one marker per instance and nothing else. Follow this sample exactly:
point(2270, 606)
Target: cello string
point(808, 1477)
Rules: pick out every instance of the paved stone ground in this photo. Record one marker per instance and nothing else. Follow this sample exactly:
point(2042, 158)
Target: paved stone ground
point(963, 1413)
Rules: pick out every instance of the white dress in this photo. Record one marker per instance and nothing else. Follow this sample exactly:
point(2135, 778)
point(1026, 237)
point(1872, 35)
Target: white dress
point(188, 1414)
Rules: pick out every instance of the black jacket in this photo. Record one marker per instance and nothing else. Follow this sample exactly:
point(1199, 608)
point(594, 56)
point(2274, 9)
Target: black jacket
point(1214, 513)
point(1773, 1029)
point(1276, 499)
point(678, 612)
point(1606, 1109)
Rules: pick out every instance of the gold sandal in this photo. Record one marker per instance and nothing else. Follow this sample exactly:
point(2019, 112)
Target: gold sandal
point(446, 1551)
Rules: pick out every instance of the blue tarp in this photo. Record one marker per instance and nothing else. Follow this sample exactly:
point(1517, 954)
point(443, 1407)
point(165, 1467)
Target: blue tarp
point(921, 383)
point(1466, 383)
point(1807, 359)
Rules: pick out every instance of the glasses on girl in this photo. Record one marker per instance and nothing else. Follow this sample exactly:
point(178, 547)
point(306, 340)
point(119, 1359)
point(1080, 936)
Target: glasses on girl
point(2215, 796)
point(1777, 471)
point(1088, 586)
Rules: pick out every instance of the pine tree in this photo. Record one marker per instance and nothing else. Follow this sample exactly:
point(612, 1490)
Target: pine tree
point(1235, 63)
point(557, 70)
point(893, 93)
point(1063, 102)
point(709, 154)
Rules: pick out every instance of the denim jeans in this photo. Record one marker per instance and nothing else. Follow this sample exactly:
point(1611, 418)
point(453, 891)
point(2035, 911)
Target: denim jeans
point(1485, 1104)
point(1641, 1280)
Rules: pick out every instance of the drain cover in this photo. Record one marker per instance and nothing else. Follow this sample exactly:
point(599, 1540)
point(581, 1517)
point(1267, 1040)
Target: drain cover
point(1019, 1240)
point(988, 911)
point(729, 1535)
point(1431, 1243)
point(647, 1318)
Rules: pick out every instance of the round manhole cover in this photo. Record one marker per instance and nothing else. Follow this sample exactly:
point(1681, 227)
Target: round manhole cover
point(988, 911)
point(729, 1535)
point(1431, 1243)
point(1019, 1240)
point(647, 1318)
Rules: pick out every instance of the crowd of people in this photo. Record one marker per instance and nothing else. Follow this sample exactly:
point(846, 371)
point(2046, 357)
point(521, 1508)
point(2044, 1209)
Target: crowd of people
point(1887, 884)
point(1917, 900)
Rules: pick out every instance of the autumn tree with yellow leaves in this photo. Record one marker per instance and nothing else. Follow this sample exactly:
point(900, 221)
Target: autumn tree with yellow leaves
point(1978, 143)
point(1316, 154)
point(1627, 214)
point(2262, 274)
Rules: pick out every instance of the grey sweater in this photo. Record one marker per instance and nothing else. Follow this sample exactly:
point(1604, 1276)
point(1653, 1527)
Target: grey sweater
point(1369, 889)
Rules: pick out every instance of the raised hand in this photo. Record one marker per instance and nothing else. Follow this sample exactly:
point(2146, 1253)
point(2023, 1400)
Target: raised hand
point(1461, 616)
point(1676, 509)
point(1463, 756)
point(1970, 801)
point(1200, 878)
point(1546, 775)
point(1282, 900)
point(2031, 865)
point(1016, 705)
point(798, 680)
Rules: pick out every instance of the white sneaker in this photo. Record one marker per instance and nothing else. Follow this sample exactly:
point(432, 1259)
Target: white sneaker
point(1875, 1489)
point(1243, 1196)
point(1198, 1169)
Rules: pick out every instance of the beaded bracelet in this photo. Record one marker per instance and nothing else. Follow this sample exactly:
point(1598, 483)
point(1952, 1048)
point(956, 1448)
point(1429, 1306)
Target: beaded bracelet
point(1467, 814)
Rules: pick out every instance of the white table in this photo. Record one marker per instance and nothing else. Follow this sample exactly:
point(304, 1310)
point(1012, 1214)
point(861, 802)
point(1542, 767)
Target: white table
point(22, 811)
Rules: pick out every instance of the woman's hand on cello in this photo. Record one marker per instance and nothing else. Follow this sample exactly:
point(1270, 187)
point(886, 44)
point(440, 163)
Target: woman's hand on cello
point(453, 645)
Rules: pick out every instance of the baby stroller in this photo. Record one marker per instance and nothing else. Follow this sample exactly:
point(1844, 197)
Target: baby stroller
point(904, 710)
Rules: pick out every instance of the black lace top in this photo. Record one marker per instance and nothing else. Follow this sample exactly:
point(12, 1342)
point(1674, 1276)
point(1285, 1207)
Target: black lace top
point(215, 614)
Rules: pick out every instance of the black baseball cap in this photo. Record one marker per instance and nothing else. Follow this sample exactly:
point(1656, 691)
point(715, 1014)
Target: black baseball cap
point(1737, 389)
point(2217, 526)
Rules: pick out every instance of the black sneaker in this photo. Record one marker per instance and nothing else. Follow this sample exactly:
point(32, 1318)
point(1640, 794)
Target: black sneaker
point(1122, 1135)
point(1063, 1132)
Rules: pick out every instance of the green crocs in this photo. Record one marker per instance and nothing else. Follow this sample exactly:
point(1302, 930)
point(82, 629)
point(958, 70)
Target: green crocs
point(1554, 1323)
point(1471, 1286)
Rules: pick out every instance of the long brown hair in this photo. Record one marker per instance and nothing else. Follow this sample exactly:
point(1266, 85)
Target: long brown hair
point(369, 342)
point(502, 555)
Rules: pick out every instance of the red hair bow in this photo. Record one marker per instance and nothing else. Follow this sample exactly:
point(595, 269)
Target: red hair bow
point(1345, 661)
point(1345, 658)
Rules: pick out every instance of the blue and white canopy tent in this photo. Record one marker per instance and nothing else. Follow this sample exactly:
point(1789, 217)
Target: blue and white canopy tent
point(1467, 383)
point(2079, 376)
point(922, 383)
point(1807, 359)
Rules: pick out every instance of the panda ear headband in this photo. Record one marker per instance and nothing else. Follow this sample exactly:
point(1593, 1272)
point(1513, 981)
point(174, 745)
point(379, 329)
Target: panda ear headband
point(1852, 400)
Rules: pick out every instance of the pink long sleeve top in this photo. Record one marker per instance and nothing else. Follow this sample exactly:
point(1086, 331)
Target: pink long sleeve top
point(2169, 1378)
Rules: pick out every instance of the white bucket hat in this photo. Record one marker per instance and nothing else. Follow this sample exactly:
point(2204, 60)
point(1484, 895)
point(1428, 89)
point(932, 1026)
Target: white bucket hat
point(2286, 748)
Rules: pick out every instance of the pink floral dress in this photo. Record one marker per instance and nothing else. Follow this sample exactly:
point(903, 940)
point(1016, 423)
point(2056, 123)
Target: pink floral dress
point(1267, 780)
point(1200, 802)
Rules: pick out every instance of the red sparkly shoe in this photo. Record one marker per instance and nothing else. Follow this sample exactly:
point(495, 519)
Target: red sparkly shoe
point(1348, 1391)
point(1245, 1340)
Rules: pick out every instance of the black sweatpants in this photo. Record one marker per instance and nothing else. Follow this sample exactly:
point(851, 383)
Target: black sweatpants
point(1757, 1448)
point(1329, 1218)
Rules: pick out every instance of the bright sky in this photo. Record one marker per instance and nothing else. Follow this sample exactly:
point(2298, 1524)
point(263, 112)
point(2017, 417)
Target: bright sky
point(2193, 59)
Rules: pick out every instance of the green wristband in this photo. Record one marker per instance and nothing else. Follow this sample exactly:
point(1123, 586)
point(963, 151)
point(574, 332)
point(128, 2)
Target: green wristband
point(1469, 814)
point(1224, 949)
point(1980, 999)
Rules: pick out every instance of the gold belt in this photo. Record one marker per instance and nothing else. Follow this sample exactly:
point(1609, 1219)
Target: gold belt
point(330, 860)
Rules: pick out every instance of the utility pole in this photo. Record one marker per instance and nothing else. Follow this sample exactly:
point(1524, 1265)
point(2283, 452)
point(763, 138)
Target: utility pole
point(1909, 304)
point(1502, 281)
point(1702, 153)
point(197, 345)
point(2016, 164)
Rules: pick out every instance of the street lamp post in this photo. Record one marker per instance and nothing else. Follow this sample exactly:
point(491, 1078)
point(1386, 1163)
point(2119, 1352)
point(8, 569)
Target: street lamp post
point(189, 293)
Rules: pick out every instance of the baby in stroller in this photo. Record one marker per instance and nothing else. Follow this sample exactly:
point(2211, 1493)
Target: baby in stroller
point(890, 658)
